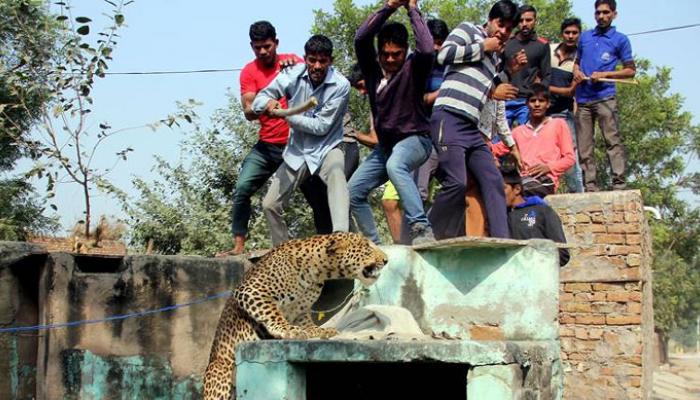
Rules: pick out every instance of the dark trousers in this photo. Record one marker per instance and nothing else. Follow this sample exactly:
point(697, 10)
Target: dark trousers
point(257, 168)
point(460, 146)
point(315, 190)
point(605, 112)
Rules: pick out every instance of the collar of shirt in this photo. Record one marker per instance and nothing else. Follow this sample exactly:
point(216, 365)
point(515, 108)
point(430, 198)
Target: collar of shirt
point(570, 57)
point(328, 80)
point(536, 131)
point(608, 33)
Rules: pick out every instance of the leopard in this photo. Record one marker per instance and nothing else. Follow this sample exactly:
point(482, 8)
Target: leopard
point(275, 297)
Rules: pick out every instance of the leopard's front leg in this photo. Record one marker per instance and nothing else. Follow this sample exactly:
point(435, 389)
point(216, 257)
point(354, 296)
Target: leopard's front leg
point(312, 330)
point(264, 310)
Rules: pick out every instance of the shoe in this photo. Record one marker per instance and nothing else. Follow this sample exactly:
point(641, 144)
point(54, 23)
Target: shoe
point(421, 234)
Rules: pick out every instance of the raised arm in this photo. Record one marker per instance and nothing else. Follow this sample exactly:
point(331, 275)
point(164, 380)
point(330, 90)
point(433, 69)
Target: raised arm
point(320, 122)
point(364, 38)
point(423, 58)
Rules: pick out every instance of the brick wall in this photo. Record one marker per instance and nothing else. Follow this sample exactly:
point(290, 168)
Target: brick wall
point(68, 245)
point(606, 315)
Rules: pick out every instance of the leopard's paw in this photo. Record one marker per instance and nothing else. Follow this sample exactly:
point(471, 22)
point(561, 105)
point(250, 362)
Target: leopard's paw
point(323, 333)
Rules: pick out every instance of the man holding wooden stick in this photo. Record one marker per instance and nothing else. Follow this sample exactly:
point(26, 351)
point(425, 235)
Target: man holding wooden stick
point(599, 52)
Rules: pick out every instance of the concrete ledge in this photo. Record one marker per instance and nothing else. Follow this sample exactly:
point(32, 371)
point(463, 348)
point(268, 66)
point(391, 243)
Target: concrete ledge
point(474, 353)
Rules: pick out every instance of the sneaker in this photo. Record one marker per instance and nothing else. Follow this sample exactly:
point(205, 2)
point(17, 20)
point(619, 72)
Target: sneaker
point(421, 234)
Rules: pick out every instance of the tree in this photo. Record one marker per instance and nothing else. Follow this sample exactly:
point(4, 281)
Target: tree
point(27, 35)
point(66, 143)
point(186, 211)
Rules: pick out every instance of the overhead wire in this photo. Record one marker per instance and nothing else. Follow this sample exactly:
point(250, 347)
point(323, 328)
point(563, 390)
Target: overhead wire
point(206, 71)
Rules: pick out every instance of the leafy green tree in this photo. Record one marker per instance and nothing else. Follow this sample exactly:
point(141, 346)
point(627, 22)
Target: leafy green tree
point(66, 144)
point(27, 38)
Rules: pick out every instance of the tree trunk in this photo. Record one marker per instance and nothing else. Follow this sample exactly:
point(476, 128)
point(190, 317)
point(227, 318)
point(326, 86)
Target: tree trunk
point(86, 193)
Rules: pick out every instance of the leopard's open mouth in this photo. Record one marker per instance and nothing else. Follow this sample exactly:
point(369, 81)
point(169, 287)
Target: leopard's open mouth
point(372, 271)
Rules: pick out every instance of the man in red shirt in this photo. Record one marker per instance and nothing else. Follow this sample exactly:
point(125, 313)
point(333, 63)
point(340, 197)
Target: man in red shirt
point(545, 144)
point(266, 156)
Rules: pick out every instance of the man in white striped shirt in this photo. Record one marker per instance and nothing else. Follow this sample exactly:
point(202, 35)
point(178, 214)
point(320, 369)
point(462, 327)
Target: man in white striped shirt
point(474, 73)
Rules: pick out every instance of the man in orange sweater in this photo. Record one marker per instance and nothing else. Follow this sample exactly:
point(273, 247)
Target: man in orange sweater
point(545, 144)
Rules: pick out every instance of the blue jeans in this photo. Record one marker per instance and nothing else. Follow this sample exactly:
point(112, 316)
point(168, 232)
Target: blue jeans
point(574, 176)
point(516, 110)
point(396, 164)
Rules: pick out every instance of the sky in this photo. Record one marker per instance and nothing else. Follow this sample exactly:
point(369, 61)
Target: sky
point(213, 34)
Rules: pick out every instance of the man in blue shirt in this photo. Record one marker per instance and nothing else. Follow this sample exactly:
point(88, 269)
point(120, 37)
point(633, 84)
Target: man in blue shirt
point(599, 52)
point(315, 135)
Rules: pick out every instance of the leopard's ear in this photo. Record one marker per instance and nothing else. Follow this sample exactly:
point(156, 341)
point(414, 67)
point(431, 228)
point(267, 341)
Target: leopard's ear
point(336, 246)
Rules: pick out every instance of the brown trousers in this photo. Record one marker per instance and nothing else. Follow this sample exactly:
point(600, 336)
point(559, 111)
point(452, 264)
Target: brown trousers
point(605, 112)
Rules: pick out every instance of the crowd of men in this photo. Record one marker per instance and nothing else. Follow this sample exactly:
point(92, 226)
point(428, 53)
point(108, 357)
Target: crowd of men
point(496, 114)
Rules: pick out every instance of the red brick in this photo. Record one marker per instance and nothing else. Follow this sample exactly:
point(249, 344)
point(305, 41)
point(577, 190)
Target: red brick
point(575, 307)
point(623, 319)
point(610, 239)
point(590, 319)
point(635, 296)
point(595, 250)
point(623, 228)
point(606, 308)
point(634, 308)
point(607, 287)
point(578, 357)
point(569, 319)
point(590, 228)
point(634, 239)
point(607, 371)
point(618, 261)
point(481, 332)
point(582, 219)
point(565, 332)
point(581, 333)
point(634, 260)
point(595, 333)
point(583, 296)
point(635, 381)
point(618, 296)
point(632, 216)
point(563, 297)
point(619, 250)
point(577, 287)
point(618, 217)
point(598, 296)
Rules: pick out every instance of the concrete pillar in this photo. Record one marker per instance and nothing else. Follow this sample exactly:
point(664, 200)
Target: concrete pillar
point(270, 381)
point(494, 382)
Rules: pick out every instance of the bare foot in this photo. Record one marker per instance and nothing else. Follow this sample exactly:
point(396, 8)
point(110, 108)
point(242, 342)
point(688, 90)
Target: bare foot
point(229, 253)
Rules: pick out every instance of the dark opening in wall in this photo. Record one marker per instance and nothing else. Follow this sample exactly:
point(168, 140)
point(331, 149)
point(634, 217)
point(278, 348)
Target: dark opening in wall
point(98, 264)
point(384, 381)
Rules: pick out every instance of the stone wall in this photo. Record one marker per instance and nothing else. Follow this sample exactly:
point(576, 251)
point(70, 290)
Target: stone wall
point(606, 314)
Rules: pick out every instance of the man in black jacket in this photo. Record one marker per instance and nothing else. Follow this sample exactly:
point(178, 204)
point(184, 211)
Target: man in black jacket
point(530, 217)
point(538, 69)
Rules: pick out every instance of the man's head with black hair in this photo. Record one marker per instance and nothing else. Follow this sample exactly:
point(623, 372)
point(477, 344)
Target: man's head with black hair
point(357, 79)
point(513, 186)
point(439, 31)
point(538, 101)
point(570, 31)
point(318, 55)
point(392, 42)
point(528, 20)
point(263, 41)
point(605, 13)
point(503, 16)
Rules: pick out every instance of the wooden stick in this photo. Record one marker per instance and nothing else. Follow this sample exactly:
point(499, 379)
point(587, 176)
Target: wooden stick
point(281, 112)
point(616, 80)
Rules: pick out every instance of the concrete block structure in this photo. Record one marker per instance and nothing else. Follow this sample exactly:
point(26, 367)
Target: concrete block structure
point(487, 307)
point(500, 317)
